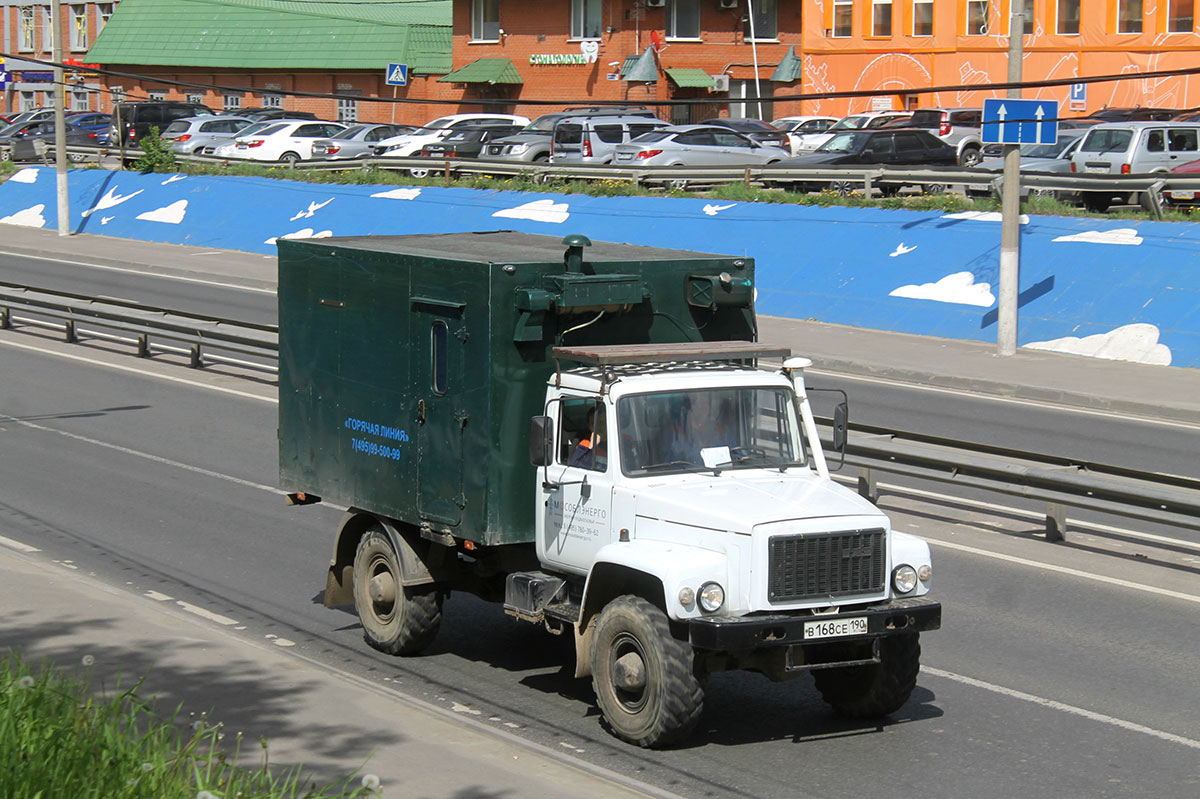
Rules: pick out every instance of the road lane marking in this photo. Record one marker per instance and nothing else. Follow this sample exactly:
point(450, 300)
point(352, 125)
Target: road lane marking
point(149, 272)
point(206, 614)
point(142, 372)
point(17, 545)
point(1063, 707)
point(140, 454)
point(1001, 398)
point(1099, 578)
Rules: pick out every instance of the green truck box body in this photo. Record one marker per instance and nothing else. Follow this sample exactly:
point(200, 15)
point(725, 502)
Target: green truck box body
point(409, 366)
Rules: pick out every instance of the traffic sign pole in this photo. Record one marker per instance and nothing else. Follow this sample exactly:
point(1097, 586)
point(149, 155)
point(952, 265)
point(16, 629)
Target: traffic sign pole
point(1010, 202)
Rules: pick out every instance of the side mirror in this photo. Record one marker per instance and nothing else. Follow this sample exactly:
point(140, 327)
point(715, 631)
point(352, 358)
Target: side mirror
point(541, 440)
point(841, 421)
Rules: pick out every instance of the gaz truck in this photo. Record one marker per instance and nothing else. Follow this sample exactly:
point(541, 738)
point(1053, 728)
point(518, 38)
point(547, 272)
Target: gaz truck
point(591, 434)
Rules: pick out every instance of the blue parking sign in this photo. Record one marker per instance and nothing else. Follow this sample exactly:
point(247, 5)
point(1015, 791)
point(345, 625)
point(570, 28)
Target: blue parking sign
point(397, 75)
point(1008, 121)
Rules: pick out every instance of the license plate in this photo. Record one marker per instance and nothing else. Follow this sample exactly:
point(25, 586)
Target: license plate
point(835, 628)
point(624, 156)
point(1101, 169)
point(1182, 195)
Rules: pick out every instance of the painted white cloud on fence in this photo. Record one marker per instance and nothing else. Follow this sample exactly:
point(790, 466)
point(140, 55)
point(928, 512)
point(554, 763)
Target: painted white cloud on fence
point(399, 194)
point(303, 233)
point(30, 217)
point(1137, 342)
point(983, 216)
point(26, 175)
point(538, 211)
point(1121, 235)
point(959, 288)
point(169, 214)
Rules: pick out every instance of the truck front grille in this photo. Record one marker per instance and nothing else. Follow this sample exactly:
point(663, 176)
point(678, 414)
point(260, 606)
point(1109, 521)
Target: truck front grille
point(825, 565)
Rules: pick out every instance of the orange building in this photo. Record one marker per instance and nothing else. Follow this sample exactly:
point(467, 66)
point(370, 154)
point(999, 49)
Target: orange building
point(775, 50)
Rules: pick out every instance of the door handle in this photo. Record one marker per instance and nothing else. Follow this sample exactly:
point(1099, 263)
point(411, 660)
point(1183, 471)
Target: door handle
point(421, 411)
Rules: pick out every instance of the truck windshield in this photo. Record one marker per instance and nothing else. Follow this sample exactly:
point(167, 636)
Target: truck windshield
point(717, 428)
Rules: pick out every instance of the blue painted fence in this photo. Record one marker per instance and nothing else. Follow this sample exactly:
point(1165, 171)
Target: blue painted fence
point(1110, 288)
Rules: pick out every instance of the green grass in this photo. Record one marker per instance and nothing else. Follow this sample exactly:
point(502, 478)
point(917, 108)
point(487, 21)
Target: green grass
point(62, 736)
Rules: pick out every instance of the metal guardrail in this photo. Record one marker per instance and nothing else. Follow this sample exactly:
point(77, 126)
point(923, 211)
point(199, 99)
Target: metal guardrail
point(1060, 483)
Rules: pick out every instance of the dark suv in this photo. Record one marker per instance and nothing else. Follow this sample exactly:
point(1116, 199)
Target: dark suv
point(131, 122)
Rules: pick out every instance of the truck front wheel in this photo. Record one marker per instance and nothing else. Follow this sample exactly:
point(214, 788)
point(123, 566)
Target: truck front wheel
point(396, 619)
point(878, 689)
point(643, 676)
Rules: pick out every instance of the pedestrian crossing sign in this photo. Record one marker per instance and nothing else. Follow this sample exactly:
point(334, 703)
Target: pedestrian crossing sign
point(397, 75)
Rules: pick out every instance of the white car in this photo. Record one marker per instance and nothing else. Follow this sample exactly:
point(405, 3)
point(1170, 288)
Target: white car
point(870, 119)
point(283, 140)
point(798, 126)
point(412, 143)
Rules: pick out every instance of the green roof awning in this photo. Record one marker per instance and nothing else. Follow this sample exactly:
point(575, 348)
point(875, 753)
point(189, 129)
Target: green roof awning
point(644, 70)
point(279, 34)
point(485, 70)
point(690, 78)
point(789, 69)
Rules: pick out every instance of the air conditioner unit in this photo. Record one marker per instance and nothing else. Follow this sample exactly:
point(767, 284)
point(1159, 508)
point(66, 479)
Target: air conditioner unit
point(655, 3)
point(727, 3)
point(720, 83)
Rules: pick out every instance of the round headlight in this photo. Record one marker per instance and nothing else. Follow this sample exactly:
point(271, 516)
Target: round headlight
point(925, 574)
point(686, 596)
point(712, 597)
point(904, 578)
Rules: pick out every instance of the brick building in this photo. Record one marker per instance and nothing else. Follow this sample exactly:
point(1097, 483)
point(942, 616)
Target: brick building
point(27, 35)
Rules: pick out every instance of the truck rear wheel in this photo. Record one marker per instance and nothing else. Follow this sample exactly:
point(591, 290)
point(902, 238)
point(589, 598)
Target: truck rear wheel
point(878, 689)
point(643, 676)
point(396, 619)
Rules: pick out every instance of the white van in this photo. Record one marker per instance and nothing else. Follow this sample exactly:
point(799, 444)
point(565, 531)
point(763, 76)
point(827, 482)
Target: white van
point(1133, 148)
point(592, 140)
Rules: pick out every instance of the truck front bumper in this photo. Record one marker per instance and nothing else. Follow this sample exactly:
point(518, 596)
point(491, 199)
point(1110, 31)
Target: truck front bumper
point(743, 633)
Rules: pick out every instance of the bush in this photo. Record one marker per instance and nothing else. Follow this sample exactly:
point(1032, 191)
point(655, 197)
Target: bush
point(61, 736)
point(157, 155)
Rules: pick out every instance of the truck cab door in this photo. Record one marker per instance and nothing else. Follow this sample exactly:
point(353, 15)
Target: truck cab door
point(575, 498)
point(440, 419)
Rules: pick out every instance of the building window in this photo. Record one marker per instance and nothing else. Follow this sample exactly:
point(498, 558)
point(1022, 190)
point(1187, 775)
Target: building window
point(1180, 19)
point(105, 10)
point(116, 94)
point(1068, 16)
point(843, 18)
point(977, 17)
point(746, 101)
point(47, 30)
point(683, 19)
point(881, 17)
point(157, 97)
point(585, 19)
point(1027, 17)
point(485, 20)
point(195, 99)
point(765, 21)
point(79, 33)
point(922, 12)
point(347, 109)
point(231, 102)
point(272, 101)
point(25, 28)
point(1129, 16)
point(26, 102)
point(79, 100)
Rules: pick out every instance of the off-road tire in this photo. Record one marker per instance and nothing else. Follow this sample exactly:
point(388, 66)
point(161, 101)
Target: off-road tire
point(1096, 201)
point(864, 692)
point(401, 620)
point(667, 707)
point(970, 157)
point(290, 159)
point(420, 172)
point(844, 188)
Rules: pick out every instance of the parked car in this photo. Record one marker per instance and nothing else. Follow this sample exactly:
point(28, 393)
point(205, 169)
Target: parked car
point(228, 148)
point(93, 122)
point(287, 141)
point(193, 135)
point(593, 140)
point(1191, 115)
point(688, 145)
point(1077, 123)
point(264, 114)
point(1135, 114)
point(532, 143)
point(21, 144)
point(902, 147)
point(1133, 148)
point(761, 132)
point(131, 122)
point(411, 143)
point(1184, 197)
point(1034, 158)
point(356, 141)
point(870, 119)
point(797, 126)
point(26, 119)
point(465, 142)
point(961, 128)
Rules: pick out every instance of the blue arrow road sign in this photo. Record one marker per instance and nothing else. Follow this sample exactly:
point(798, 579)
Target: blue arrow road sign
point(397, 75)
point(1020, 121)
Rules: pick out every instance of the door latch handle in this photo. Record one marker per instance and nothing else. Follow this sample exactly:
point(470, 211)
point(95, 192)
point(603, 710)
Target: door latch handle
point(421, 411)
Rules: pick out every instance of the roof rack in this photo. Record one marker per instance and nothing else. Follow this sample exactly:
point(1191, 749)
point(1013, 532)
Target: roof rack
point(621, 354)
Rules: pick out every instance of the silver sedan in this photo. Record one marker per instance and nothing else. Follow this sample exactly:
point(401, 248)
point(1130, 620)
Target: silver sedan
point(690, 145)
point(356, 141)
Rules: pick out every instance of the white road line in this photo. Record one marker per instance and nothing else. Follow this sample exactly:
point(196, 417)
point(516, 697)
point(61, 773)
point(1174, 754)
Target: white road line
point(206, 614)
point(142, 372)
point(1009, 400)
point(1099, 578)
point(17, 545)
point(1065, 708)
point(149, 272)
point(140, 454)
